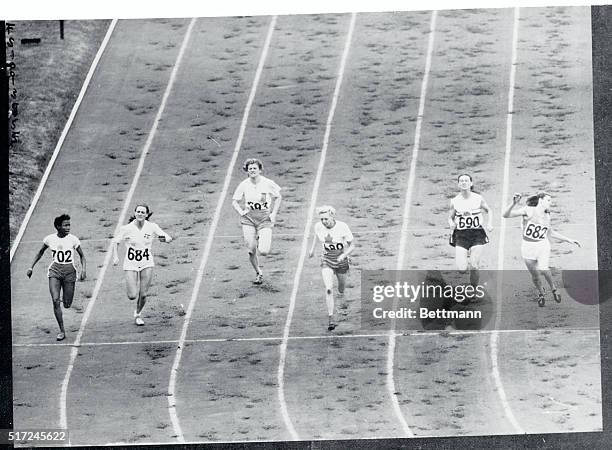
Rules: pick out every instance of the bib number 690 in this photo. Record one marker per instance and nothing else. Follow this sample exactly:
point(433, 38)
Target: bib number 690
point(469, 222)
point(137, 255)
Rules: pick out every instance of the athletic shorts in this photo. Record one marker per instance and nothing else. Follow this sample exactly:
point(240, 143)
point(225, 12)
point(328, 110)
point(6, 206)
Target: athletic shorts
point(469, 238)
point(137, 265)
point(330, 259)
point(63, 272)
point(538, 251)
point(257, 219)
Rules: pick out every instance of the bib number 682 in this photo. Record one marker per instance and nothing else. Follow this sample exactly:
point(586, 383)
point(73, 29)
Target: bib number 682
point(536, 231)
point(137, 255)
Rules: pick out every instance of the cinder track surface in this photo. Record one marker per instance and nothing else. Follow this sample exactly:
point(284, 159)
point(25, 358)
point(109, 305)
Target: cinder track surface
point(334, 386)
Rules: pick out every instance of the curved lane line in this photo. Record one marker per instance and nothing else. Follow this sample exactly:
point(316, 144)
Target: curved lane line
point(126, 205)
point(313, 200)
point(211, 236)
point(60, 142)
point(502, 232)
point(406, 218)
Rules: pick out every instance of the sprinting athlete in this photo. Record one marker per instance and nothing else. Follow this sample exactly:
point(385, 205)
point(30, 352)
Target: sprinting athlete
point(337, 242)
point(535, 248)
point(62, 272)
point(138, 263)
point(466, 222)
point(257, 214)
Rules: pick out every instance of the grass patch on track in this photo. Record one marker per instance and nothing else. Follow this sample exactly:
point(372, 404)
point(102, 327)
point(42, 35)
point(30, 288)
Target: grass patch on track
point(48, 81)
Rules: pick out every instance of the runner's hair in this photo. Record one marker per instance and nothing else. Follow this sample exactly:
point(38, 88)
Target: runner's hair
point(326, 209)
point(535, 199)
point(57, 222)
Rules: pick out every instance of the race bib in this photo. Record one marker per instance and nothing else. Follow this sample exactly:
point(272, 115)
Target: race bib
point(261, 205)
point(330, 246)
point(535, 232)
point(62, 256)
point(470, 222)
point(137, 255)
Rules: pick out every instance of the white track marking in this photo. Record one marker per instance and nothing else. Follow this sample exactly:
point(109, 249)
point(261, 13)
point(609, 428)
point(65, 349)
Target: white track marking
point(211, 236)
point(60, 142)
point(304, 249)
point(126, 205)
point(301, 338)
point(502, 232)
point(405, 220)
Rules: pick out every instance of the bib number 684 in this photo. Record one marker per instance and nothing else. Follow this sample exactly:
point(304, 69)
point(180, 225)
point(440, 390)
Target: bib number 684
point(137, 255)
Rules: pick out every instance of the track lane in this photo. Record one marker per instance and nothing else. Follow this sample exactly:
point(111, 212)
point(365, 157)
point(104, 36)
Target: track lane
point(285, 130)
point(464, 111)
point(373, 132)
point(170, 184)
point(560, 388)
point(78, 187)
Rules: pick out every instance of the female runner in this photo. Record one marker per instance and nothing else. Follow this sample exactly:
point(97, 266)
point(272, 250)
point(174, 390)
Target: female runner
point(62, 273)
point(258, 216)
point(138, 264)
point(338, 242)
point(466, 223)
point(535, 248)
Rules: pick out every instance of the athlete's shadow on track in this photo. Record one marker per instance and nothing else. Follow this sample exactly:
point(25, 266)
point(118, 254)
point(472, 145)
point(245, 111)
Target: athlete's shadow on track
point(480, 305)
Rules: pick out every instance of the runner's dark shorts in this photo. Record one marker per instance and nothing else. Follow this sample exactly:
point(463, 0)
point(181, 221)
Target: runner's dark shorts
point(257, 219)
point(330, 259)
point(469, 238)
point(63, 272)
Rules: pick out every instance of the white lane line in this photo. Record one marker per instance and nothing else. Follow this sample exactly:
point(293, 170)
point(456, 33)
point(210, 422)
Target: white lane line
point(60, 142)
point(299, 338)
point(304, 249)
point(210, 239)
point(126, 205)
point(502, 234)
point(405, 220)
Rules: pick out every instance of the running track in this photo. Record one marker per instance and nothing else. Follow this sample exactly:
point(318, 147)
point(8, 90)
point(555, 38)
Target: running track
point(328, 106)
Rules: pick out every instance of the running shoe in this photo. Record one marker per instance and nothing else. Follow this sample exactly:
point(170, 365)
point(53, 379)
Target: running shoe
point(541, 301)
point(556, 296)
point(138, 320)
point(332, 325)
point(61, 336)
point(258, 278)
